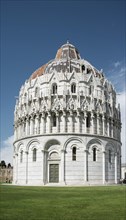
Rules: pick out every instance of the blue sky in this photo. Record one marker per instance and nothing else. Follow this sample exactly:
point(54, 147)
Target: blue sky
point(32, 31)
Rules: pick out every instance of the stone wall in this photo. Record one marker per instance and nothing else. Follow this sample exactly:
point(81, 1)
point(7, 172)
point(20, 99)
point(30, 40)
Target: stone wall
point(6, 175)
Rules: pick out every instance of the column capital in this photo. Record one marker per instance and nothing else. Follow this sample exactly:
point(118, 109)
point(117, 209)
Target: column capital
point(86, 151)
point(71, 112)
point(103, 117)
point(107, 118)
point(63, 151)
point(78, 114)
point(85, 114)
point(104, 152)
point(44, 151)
point(43, 114)
point(112, 122)
point(27, 118)
point(64, 113)
point(26, 152)
point(49, 113)
point(37, 116)
point(92, 115)
point(32, 117)
point(98, 115)
point(57, 114)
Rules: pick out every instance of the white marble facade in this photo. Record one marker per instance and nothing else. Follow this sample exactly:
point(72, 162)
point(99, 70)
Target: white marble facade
point(67, 125)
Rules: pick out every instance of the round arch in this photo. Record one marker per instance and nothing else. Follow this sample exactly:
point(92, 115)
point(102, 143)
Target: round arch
point(20, 146)
point(32, 142)
point(51, 142)
point(111, 147)
point(72, 139)
point(94, 142)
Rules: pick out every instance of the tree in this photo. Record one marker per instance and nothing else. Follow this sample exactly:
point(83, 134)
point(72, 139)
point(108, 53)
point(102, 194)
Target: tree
point(3, 164)
point(9, 165)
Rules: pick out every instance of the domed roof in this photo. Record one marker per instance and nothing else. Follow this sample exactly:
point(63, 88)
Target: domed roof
point(68, 51)
point(62, 61)
point(67, 59)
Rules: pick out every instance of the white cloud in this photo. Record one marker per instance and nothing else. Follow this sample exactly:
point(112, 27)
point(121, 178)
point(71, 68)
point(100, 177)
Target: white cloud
point(7, 150)
point(116, 64)
point(116, 74)
point(122, 101)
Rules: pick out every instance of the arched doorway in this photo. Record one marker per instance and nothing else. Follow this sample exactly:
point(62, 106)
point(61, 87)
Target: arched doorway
point(53, 161)
point(53, 166)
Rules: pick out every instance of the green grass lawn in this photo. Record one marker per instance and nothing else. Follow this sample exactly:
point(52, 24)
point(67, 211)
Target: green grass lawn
point(62, 203)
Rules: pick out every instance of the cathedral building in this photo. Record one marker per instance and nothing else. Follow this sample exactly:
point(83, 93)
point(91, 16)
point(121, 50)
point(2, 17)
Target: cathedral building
point(67, 125)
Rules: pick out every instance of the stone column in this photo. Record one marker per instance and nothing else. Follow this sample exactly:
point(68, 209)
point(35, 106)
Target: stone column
point(16, 171)
point(85, 119)
point(37, 124)
point(116, 168)
point(62, 166)
point(26, 178)
point(111, 127)
point(20, 129)
point(78, 121)
point(120, 160)
point(49, 123)
point(43, 167)
point(64, 121)
point(27, 126)
point(115, 135)
point(31, 125)
point(103, 166)
point(119, 131)
point(85, 165)
point(92, 123)
point(43, 122)
point(103, 125)
point(15, 132)
point(71, 121)
point(57, 121)
point(98, 123)
point(108, 127)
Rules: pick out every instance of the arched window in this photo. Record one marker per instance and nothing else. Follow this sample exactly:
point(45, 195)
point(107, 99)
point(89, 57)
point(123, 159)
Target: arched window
point(88, 121)
point(54, 88)
point(36, 91)
point(88, 70)
point(73, 88)
point(94, 154)
point(54, 120)
point(90, 90)
point(25, 97)
point(34, 154)
point(21, 156)
point(110, 156)
point(83, 68)
point(74, 153)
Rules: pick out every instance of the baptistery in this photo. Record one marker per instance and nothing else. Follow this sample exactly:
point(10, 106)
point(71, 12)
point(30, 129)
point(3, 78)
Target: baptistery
point(67, 125)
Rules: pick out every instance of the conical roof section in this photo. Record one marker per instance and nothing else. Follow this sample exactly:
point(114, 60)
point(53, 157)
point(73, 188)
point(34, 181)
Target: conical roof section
point(68, 51)
point(67, 60)
point(62, 62)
